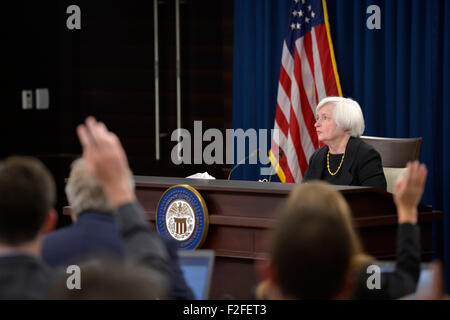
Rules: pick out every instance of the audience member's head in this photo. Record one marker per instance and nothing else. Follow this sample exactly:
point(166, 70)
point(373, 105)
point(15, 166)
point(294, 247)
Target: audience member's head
point(84, 192)
point(28, 195)
point(314, 246)
point(324, 197)
point(111, 280)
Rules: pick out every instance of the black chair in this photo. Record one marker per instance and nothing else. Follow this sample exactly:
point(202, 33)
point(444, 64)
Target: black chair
point(395, 154)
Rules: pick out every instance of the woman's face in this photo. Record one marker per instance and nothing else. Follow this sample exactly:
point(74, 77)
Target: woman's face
point(327, 129)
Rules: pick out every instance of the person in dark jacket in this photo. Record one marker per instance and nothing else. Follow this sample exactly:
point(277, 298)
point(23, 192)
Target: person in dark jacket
point(94, 231)
point(403, 280)
point(106, 161)
point(316, 253)
point(26, 213)
point(344, 159)
point(28, 195)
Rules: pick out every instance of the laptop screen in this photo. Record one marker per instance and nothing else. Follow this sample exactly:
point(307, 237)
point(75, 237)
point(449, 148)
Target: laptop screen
point(197, 267)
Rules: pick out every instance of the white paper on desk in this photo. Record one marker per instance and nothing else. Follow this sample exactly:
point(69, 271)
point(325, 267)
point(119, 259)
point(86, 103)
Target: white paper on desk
point(203, 175)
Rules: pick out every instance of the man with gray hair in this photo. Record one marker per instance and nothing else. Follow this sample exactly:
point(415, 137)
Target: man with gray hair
point(94, 232)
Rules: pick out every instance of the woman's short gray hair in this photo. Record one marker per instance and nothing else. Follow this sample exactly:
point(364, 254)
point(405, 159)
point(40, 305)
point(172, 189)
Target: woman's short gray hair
point(346, 113)
point(84, 192)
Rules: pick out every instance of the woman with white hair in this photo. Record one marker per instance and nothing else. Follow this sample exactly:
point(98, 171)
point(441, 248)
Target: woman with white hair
point(344, 159)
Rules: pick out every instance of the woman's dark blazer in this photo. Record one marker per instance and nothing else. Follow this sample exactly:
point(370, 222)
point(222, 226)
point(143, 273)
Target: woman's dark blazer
point(361, 167)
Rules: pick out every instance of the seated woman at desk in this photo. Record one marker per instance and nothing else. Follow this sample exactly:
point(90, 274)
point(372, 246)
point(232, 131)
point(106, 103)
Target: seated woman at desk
point(344, 159)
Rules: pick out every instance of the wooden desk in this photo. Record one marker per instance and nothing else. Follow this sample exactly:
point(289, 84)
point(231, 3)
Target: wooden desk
point(242, 214)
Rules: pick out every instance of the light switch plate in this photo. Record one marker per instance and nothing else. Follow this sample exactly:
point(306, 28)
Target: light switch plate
point(27, 99)
point(42, 99)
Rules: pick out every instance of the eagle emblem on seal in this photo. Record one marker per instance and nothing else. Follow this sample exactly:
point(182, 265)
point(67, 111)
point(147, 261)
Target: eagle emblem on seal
point(180, 220)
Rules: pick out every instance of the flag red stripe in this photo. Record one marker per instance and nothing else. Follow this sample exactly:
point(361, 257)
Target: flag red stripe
point(282, 121)
point(307, 112)
point(285, 81)
point(284, 163)
point(325, 60)
point(286, 170)
point(294, 130)
point(307, 42)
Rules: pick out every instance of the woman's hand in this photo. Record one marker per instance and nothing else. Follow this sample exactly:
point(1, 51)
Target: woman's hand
point(408, 192)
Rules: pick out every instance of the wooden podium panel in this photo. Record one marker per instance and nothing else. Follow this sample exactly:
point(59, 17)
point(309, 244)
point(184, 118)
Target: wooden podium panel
point(243, 213)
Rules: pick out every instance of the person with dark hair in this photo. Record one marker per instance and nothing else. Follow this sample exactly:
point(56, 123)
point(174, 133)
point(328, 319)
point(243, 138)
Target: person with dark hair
point(27, 197)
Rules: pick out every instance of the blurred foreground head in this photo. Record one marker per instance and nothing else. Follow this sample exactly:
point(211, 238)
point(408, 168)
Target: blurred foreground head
point(111, 280)
point(314, 246)
point(28, 194)
point(84, 192)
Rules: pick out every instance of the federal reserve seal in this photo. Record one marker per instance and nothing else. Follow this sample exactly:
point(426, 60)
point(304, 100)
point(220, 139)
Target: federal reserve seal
point(182, 214)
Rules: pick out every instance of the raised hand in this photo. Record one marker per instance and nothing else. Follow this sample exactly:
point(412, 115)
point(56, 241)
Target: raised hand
point(408, 192)
point(106, 160)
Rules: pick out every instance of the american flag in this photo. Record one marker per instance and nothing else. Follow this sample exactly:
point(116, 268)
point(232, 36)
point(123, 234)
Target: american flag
point(308, 74)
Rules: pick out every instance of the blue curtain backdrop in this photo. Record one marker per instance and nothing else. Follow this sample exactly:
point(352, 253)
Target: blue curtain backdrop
point(400, 75)
point(259, 28)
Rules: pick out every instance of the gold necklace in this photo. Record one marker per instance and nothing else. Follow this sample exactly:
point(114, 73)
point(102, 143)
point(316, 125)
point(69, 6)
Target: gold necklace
point(328, 163)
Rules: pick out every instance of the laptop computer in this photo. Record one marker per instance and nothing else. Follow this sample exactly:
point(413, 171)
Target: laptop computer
point(197, 266)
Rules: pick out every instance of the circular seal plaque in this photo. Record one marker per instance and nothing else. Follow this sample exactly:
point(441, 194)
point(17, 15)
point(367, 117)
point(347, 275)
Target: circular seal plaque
point(182, 214)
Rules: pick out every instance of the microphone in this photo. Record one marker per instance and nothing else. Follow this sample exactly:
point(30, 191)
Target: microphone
point(280, 154)
point(241, 162)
